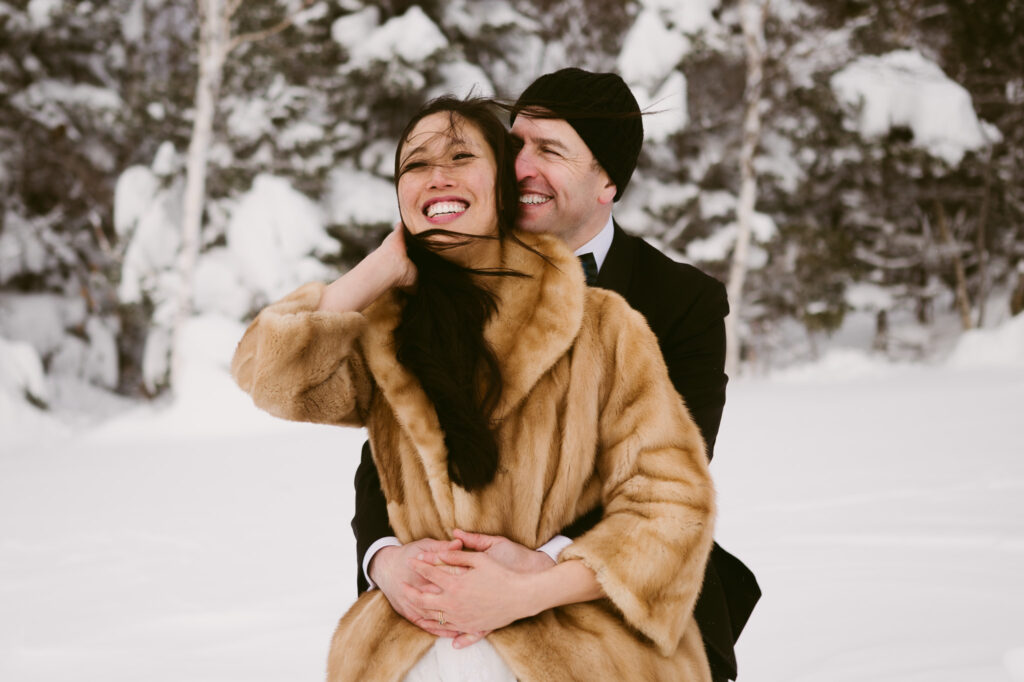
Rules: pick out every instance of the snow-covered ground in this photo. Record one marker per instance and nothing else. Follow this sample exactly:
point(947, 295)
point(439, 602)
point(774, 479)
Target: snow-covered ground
point(882, 508)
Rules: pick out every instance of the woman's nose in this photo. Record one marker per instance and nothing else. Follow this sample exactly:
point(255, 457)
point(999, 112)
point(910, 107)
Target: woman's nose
point(440, 176)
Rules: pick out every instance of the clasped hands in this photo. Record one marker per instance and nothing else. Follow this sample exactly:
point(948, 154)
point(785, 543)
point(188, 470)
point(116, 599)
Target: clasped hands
point(477, 591)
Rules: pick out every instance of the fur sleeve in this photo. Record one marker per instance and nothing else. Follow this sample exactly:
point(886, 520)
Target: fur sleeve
point(305, 365)
point(650, 547)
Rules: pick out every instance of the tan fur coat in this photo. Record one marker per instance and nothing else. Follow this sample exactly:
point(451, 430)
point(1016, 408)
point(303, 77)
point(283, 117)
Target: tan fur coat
point(588, 415)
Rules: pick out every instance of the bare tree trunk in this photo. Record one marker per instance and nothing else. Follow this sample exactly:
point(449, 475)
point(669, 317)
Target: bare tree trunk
point(214, 34)
point(1017, 297)
point(752, 13)
point(980, 244)
point(215, 43)
point(963, 302)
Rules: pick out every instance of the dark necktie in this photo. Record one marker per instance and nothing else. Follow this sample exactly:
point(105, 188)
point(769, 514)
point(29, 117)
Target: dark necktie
point(589, 264)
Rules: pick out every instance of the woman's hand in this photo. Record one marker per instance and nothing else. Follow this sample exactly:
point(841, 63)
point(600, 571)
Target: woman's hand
point(485, 597)
point(499, 583)
point(392, 255)
point(386, 267)
point(512, 555)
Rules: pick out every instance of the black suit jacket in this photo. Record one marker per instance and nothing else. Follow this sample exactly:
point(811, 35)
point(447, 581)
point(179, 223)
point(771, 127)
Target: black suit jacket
point(686, 309)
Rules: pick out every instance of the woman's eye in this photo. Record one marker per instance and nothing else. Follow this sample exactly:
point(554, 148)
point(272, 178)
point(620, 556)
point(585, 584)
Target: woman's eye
point(415, 165)
point(459, 156)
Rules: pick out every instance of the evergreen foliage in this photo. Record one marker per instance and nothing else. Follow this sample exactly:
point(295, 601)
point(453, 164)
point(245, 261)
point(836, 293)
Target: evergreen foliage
point(852, 225)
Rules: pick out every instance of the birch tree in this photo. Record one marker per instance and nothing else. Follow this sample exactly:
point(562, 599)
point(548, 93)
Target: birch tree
point(752, 14)
point(216, 42)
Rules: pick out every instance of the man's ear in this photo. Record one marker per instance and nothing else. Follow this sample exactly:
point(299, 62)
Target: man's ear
point(607, 194)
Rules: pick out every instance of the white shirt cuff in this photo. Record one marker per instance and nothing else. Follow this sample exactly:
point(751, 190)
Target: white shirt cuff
point(554, 546)
point(388, 541)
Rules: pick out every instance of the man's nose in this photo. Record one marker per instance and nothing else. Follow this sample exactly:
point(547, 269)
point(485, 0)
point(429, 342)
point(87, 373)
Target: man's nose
point(525, 167)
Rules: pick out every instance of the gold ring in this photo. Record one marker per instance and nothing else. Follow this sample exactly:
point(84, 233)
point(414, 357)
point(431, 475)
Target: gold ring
point(440, 617)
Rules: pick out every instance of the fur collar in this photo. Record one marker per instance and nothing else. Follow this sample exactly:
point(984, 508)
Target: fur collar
point(537, 321)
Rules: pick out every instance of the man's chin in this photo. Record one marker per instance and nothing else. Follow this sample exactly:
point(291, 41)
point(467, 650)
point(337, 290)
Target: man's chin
point(530, 225)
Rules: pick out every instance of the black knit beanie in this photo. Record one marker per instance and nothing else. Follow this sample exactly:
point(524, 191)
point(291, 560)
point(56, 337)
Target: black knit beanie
point(602, 110)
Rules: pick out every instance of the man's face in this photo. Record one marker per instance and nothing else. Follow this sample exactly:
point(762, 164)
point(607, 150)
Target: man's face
point(562, 189)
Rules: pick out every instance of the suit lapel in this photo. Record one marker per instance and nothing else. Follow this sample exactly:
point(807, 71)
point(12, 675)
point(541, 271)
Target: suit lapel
point(617, 270)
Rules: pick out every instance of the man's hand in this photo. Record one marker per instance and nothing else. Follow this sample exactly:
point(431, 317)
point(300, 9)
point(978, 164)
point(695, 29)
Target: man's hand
point(505, 554)
point(391, 571)
point(485, 597)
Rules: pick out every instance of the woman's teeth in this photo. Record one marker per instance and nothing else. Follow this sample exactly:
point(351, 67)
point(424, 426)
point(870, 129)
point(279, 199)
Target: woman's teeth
point(446, 207)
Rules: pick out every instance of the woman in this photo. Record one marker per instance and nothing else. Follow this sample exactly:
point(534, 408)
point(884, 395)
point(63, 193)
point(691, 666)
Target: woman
point(503, 396)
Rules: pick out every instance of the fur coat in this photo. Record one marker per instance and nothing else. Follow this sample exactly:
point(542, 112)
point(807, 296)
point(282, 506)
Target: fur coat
point(587, 415)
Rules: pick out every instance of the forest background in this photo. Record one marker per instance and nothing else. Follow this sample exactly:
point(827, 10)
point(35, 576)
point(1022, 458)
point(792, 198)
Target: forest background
point(884, 140)
point(856, 164)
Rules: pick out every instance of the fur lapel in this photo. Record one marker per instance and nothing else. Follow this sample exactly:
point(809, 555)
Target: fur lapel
point(413, 411)
point(538, 319)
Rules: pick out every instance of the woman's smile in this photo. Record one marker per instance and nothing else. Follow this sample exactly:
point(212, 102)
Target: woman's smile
point(443, 210)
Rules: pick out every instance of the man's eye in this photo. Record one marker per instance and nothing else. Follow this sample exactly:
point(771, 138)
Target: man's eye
point(459, 156)
point(549, 150)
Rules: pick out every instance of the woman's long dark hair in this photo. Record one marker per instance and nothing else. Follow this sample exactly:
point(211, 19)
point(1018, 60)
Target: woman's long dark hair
point(440, 337)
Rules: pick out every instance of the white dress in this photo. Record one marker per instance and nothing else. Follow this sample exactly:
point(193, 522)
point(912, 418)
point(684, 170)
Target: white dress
point(476, 663)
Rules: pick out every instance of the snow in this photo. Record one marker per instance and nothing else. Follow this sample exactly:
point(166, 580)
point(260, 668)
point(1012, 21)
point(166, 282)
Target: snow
point(94, 359)
point(45, 101)
point(686, 16)
point(715, 247)
point(462, 79)
point(40, 319)
point(21, 373)
point(662, 195)
point(1003, 346)
point(41, 11)
point(351, 29)
point(650, 51)
point(471, 21)
point(314, 12)
point(21, 249)
point(274, 234)
point(378, 158)
point(156, 110)
point(356, 197)
point(666, 108)
point(151, 253)
point(133, 22)
point(889, 552)
point(248, 119)
point(133, 193)
point(779, 158)
point(881, 507)
point(166, 161)
point(905, 89)
point(718, 246)
point(717, 203)
point(300, 134)
point(411, 37)
point(218, 285)
point(868, 296)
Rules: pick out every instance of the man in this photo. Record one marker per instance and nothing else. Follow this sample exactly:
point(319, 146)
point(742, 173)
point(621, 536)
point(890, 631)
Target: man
point(581, 135)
